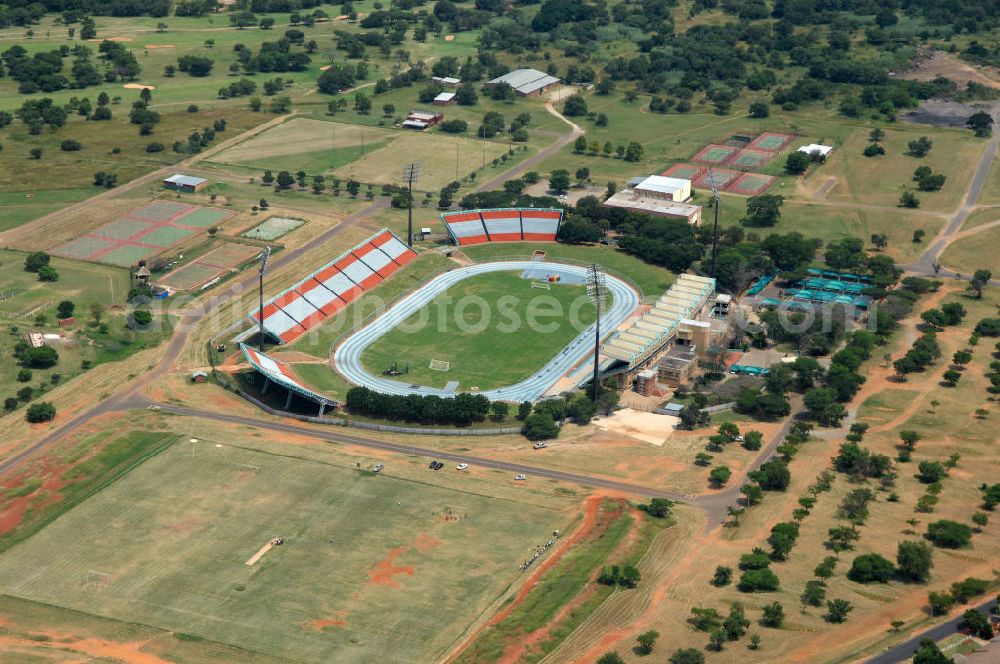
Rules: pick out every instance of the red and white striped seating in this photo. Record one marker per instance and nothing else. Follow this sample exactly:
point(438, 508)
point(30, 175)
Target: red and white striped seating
point(507, 225)
point(540, 224)
point(502, 225)
point(466, 227)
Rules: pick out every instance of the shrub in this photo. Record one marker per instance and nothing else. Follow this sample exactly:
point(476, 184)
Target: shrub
point(949, 534)
point(870, 567)
point(540, 426)
point(69, 145)
point(914, 561)
point(154, 147)
point(40, 412)
point(758, 580)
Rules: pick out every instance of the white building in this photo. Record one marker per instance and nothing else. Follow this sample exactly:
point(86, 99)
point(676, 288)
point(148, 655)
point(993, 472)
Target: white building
point(816, 150)
point(659, 196)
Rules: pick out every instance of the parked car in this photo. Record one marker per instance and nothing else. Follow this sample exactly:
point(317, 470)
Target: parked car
point(378, 467)
point(520, 477)
point(436, 465)
point(461, 466)
point(540, 446)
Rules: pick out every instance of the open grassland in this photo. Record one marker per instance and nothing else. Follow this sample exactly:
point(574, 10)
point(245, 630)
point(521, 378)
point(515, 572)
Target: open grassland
point(371, 565)
point(974, 252)
point(981, 216)
point(991, 190)
point(494, 330)
point(82, 283)
point(651, 280)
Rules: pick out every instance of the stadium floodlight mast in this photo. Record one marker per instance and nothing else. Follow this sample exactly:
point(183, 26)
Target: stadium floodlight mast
point(597, 289)
point(715, 228)
point(260, 312)
point(410, 174)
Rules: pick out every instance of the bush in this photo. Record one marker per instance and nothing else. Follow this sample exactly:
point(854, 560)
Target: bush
point(40, 412)
point(69, 145)
point(949, 534)
point(870, 567)
point(914, 561)
point(797, 163)
point(48, 273)
point(540, 426)
point(758, 580)
point(454, 126)
point(154, 147)
point(461, 410)
point(36, 261)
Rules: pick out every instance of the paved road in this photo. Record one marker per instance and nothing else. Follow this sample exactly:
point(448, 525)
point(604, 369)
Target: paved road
point(347, 357)
point(925, 264)
point(905, 650)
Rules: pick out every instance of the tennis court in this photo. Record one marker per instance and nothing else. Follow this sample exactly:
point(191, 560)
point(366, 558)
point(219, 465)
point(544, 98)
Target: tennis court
point(684, 171)
point(163, 211)
point(273, 228)
point(714, 154)
point(750, 159)
point(213, 264)
point(721, 176)
point(750, 184)
point(142, 233)
point(772, 141)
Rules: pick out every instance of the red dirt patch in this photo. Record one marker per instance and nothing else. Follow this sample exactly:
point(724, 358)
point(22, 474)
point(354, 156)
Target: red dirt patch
point(425, 543)
point(51, 474)
point(323, 623)
point(384, 570)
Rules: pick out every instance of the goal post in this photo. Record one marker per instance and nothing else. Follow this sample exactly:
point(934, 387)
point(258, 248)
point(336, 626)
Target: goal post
point(440, 365)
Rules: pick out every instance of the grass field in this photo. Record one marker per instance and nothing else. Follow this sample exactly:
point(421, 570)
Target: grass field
point(966, 255)
point(484, 347)
point(371, 565)
point(651, 280)
point(82, 283)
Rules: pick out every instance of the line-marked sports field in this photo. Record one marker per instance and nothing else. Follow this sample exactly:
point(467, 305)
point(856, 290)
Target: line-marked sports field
point(142, 233)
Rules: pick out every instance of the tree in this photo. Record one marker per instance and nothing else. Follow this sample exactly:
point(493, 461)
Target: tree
point(753, 440)
point(736, 623)
point(759, 110)
point(362, 103)
point(823, 406)
point(873, 150)
point(814, 593)
point(658, 508)
point(540, 426)
point(870, 567)
point(774, 615)
point(720, 475)
point(523, 410)
point(976, 622)
point(979, 280)
point(634, 151)
point(914, 561)
point(876, 135)
point(880, 241)
point(580, 144)
point(610, 658)
point(826, 567)
point(353, 187)
point(772, 475)
point(716, 640)
point(42, 411)
point(940, 602)
point(559, 181)
point(763, 210)
point(48, 273)
point(65, 309)
point(285, 180)
point(754, 641)
point(920, 147)
point(949, 534)
point(35, 261)
point(981, 123)
point(841, 538)
point(575, 106)
point(466, 95)
point(981, 519)
point(723, 576)
point(931, 471)
point(837, 610)
point(687, 656)
point(797, 163)
point(929, 653)
point(646, 641)
point(909, 200)
point(758, 580)
point(909, 438)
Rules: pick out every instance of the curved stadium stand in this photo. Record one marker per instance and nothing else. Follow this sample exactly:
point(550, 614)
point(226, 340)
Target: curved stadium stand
point(322, 294)
point(502, 225)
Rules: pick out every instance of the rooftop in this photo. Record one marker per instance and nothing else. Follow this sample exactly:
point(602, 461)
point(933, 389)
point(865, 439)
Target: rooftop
point(525, 81)
point(188, 180)
point(662, 184)
point(447, 80)
point(816, 148)
point(445, 96)
point(633, 201)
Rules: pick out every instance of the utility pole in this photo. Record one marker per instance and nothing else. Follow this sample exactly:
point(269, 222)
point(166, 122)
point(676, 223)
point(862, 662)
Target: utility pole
point(597, 290)
point(260, 312)
point(410, 174)
point(715, 228)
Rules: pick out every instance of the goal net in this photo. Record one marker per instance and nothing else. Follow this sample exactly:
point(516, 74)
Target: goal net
point(544, 285)
point(440, 365)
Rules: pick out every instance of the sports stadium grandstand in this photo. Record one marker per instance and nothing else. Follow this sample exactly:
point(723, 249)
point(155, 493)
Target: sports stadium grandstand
point(502, 225)
point(674, 317)
point(279, 373)
point(327, 291)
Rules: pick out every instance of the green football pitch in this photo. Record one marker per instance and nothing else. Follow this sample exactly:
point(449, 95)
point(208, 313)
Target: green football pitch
point(493, 329)
point(372, 566)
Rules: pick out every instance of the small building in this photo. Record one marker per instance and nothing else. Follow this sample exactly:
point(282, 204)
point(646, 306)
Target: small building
point(36, 339)
point(677, 365)
point(816, 151)
point(199, 377)
point(526, 82)
point(422, 119)
point(67, 322)
point(673, 408)
point(447, 80)
point(444, 99)
point(187, 183)
point(646, 382)
point(142, 274)
point(720, 308)
point(659, 196)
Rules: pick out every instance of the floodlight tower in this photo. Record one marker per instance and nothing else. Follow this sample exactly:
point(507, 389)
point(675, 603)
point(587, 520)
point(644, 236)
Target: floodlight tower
point(260, 312)
point(715, 228)
point(597, 289)
point(410, 174)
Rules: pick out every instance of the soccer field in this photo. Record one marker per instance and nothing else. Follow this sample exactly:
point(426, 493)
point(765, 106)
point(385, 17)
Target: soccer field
point(372, 566)
point(488, 342)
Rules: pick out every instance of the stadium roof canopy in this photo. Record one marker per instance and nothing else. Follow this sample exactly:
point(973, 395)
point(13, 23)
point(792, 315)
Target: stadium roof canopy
point(185, 180)
point(525, 81)
point(279, 373)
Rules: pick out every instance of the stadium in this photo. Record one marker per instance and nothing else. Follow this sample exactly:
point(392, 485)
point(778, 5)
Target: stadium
point(508, 329)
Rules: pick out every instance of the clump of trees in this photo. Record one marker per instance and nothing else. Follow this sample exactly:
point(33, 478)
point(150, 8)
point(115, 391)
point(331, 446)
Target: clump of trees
point(461, 410)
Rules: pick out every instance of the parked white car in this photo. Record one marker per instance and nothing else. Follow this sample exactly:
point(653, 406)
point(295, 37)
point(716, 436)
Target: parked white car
point(540, 446)
point(521, 477)
point(461, 466)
